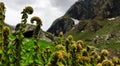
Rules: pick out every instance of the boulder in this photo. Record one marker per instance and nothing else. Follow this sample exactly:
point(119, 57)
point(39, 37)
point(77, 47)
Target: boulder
point(29, 29)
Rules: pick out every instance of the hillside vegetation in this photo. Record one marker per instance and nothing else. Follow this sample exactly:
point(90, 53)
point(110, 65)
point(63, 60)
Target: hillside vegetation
point(106, 37)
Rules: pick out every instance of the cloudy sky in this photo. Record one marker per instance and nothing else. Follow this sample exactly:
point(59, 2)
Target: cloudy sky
point(47, 10)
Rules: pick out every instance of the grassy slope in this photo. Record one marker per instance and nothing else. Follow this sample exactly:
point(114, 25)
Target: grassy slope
point(109, 27)
point(28, 44)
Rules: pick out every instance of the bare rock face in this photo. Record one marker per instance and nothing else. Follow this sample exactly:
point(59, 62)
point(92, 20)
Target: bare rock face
point(82, 9)
point(85, 9)
point(90, 25)
point(63, 24)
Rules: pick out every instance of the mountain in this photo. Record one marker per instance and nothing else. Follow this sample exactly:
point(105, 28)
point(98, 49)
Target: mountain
point(97, 22)
point(63, 24)
point(86, 9)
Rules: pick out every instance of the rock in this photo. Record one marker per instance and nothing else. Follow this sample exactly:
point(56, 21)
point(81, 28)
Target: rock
point(46, 36)
point(80, 26)
point(111, 19)
point(85, 9)
point(63, 24)
point(29, 29)
point(90, 25)
point(82, 9)
point(93, 26)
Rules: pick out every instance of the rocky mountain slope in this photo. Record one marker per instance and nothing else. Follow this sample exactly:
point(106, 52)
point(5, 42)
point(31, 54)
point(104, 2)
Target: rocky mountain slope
point(63, 24)
point(86, 9)
point(97, 22)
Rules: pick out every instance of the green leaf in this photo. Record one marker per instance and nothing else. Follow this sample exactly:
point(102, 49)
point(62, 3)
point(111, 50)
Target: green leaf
point(1, 52)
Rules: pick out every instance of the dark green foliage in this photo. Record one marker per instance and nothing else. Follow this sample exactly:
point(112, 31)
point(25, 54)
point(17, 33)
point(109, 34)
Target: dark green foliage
point(19, 36)
point(2, 17)
point(6, 44)
point(35, 38)
point(25, 12)
point(38, 27)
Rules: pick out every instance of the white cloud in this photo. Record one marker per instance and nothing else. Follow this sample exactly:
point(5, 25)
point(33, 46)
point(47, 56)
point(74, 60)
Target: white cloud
point(63, 5)
point(47, 10)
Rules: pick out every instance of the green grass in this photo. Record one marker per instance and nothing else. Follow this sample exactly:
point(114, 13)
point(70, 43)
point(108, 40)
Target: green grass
point(45, 44)
point(28, 44)
point(79, 35)
point(28, 50)
point(109, 27)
